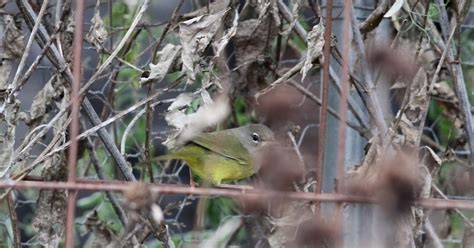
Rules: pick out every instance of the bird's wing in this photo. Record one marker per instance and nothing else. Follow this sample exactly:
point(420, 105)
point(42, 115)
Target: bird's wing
point(224, 144)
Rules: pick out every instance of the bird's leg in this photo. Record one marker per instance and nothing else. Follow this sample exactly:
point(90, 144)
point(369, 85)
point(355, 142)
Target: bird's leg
point(191, 181)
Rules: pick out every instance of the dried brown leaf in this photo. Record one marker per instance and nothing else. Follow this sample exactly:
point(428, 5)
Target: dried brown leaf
point(103, 233)
point(409, 129)
point(431, 160)
point(247, 41)
point(229, 33)
point(13, 42)
point(196, 34)
point(41, 102)
point(97, 34)
point(12, 45)
point(7, 137)
point(268, 7)
point(187, 125)
point(294, 17)
point(167, 58)
point(48, 223)
point(315, 46)
point(50, 214)
point(214, 7)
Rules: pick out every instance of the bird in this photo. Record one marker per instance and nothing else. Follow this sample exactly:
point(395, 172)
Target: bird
point(226, 155)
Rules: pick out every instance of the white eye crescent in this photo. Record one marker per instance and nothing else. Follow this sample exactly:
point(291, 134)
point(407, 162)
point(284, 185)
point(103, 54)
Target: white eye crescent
point(256, 138)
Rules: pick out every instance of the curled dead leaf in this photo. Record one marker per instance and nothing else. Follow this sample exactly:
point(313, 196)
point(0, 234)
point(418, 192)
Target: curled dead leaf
point(315, 46)
point(13, 42)
point(185, 125)
point(167, 58)
point(294, 17)
point(196, 34)
point(224, 40)
point(97, 34)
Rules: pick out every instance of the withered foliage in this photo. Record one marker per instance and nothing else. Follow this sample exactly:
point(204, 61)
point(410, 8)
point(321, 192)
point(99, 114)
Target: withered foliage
point(155, 74)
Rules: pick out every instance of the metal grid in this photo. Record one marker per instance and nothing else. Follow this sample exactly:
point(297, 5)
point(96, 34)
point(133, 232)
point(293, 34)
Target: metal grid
point(178, 191)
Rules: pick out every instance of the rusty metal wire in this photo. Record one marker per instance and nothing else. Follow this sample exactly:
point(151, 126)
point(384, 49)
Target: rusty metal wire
point(122, 117)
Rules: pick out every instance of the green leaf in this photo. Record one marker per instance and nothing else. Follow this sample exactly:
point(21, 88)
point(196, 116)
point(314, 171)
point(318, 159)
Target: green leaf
point(240, 109)
point(91, 201)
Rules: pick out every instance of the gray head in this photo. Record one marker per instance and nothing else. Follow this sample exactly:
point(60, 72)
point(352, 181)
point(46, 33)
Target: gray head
point(254, 136)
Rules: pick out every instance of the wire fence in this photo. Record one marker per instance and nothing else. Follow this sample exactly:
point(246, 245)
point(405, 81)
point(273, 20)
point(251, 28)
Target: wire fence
point(93, 92)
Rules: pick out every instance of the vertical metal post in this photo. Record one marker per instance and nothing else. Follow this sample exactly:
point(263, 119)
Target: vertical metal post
point(356, 217)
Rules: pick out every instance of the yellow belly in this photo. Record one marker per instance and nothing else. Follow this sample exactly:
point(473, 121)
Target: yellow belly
point(215, 168)
point(210, 166)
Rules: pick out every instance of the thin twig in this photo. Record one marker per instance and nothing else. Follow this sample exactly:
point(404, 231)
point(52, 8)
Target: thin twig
point(35, 64)
point(435, 240)
point(295, 147)
point(100, 127)
point(119, 47)
point(150, 90)
point(376, 16)
point(353, 105)
point(284, 78)
point(300, 31)
point(432, 84)
point(459, 84)
point(132, 123)
point(363, 130)
point(375, 106)
point(463, 216)
point(100, 173)
point(19, 70)
point(58, 61)
point(14, 220)
point(431, 143)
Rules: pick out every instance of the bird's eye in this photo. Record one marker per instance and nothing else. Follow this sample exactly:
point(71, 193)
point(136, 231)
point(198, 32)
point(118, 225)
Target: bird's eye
point(255, 138)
